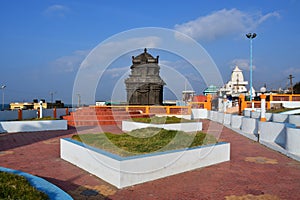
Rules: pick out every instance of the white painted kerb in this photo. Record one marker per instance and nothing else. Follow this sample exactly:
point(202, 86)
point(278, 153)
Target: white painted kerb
point(122, 172)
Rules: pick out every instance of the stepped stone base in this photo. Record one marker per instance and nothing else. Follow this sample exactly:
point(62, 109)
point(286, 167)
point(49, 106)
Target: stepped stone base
point(95, 116)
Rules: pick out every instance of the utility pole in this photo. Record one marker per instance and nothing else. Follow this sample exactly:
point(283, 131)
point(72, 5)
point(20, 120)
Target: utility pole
point(79, 100)
point(51, 94)
point(291, 83)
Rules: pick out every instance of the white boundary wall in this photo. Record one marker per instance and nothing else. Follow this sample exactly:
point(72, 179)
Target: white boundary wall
point(187, 127)
point(279, 133)
point(273, 132)
point(249, 126)
point(283, 118)
point(292, 140)
point(236, 121)
point(227, 119)
point(294, 119)
point(199, 114)
point(127, 171)
point(31, 126)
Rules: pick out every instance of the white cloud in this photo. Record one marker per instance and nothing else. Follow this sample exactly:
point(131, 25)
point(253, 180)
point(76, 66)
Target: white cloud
point(113, 49)
point(118, 72)
point(69, 63)
point(56, 10)
point(243, 64)
point(223, 22)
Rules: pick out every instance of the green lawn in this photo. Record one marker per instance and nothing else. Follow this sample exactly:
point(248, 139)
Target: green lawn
point(146, 140)
point(280, 110)
point(14, 187)
point(162, 120)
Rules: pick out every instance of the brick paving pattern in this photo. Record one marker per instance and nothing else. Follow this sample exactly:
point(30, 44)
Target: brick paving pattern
point(254, 171)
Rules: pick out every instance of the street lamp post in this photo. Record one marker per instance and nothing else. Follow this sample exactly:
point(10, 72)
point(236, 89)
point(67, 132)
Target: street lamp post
point(2, 88)
point(251, 36)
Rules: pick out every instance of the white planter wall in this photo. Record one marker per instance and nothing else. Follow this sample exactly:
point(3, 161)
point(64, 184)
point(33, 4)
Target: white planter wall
point(199, 114)
point(127, 171)
point(31, 126)
point(187, 127)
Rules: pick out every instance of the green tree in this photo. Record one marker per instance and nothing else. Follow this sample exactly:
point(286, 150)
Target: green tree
point(296, 88)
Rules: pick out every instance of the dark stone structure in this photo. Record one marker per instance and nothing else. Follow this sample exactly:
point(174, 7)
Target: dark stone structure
point(144, 85)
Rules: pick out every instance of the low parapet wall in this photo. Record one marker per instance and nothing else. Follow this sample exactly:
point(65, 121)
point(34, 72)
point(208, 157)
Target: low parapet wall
point(273, 132)
point(220, 117)
point(283, 118)
point(227, 119)
point(294, 119)
point(255, 115)
point(249, 126)
point(9, 115)
point(292, 144)
point(281, 134)
point(199, 114)
point(236, 121)
point(282, 137)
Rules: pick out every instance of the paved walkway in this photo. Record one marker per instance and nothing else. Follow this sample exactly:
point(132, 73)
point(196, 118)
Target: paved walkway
point(254, 171)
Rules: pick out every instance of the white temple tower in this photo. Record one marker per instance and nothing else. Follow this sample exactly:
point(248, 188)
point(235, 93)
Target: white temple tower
point(237, 84)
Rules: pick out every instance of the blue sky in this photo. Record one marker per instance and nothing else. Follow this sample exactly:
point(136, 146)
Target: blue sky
point(44, 42)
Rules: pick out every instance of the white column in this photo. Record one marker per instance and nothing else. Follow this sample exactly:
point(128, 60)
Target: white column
point(41, 109)
point(263, 107)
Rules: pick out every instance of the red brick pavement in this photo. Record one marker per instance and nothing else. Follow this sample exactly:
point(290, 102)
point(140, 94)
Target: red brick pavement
point(254, 171)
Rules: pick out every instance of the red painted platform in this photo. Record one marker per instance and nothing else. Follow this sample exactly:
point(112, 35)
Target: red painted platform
point(95, 116)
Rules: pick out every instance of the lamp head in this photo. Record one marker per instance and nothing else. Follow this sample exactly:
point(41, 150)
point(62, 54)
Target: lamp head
point(248, 35)
point(3, 86)
point(263, 89)
point(251, 35)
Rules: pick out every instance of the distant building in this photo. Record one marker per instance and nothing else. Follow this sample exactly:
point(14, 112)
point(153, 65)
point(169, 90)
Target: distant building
point(21, 105)
point(213, 90)
point(35, 105)
point(236, 85)
point(188, 95)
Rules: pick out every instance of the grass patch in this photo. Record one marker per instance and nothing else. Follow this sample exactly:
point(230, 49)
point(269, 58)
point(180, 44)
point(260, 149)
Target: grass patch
point(17, 187)
point(162, 120)
point(39, 119)
point(145, 140)
point(280, 110)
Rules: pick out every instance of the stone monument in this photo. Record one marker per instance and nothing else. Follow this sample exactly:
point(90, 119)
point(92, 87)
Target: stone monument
point(144, 85)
